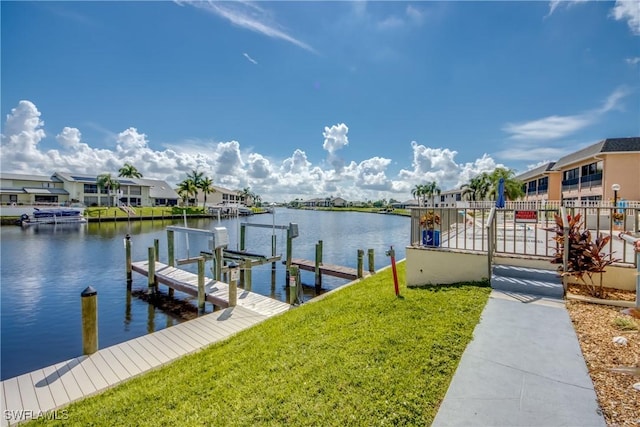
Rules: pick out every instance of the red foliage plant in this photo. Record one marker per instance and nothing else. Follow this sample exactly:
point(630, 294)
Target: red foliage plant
point(586, 257)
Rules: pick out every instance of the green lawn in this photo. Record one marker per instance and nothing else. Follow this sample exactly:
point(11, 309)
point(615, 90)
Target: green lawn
point(359, 357)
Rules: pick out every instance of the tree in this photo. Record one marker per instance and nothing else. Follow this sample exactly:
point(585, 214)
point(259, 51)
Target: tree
point(108, 183)
point(431, 189)
point(206, 185)
point(512, 187)
point(477, 188)
point(129, 171)
point(196, 178)
point(246, 194)
point(186, 189)
point(418, 192)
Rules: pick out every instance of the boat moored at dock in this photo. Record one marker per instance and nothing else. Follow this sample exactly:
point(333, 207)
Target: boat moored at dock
point(53, 216)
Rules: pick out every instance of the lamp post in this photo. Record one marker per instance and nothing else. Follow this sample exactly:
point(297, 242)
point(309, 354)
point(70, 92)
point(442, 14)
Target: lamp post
point(615, 188)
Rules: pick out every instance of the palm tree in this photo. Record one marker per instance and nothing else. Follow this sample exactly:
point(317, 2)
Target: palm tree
point(246, 193)
point(430, 190)
point(129, 171)
point(512, 187)
point(477, 188)
point(417, 192)
point(206, 185)
point(196, 178)
point(187, 188)
point(109, 183)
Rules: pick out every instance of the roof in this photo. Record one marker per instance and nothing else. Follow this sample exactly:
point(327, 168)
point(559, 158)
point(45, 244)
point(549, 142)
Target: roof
point(609, 145)
point(158, 189)
point(41, 190)
point(27, 177)
point(535, 172)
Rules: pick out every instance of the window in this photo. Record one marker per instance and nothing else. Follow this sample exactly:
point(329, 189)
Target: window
point(543, 184)
point(458, 197)
point(91, 188)
point(442, 198)
point(571, 174)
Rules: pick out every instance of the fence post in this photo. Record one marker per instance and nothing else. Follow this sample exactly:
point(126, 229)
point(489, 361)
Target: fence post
point(127, 249)
point(89, 299)
point(201, 294)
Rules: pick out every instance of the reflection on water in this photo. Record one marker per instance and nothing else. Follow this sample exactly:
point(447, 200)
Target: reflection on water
point(46, 267)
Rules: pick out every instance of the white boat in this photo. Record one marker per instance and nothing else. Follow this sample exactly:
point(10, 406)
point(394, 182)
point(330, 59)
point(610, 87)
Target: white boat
point(53, 216)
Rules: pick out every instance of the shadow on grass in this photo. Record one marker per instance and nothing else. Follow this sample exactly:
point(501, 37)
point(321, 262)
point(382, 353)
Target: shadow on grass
point(451, 286)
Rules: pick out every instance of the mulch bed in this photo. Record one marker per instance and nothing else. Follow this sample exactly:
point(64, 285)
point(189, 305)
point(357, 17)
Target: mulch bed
point(614, 368)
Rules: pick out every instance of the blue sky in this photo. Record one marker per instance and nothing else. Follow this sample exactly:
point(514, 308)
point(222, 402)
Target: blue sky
point(362, 100)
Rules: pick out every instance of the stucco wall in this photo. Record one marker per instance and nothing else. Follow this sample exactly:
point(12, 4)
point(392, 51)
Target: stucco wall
point(443, 266)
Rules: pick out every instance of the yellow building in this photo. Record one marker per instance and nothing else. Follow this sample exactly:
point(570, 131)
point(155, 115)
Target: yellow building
point(598, 173)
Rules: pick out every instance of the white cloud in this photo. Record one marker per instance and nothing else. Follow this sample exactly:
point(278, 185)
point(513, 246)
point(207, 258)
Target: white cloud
point(250, 16)
point(439, 165)
point(633, 61)
point(547, 128)
point(229, 165)
point(414, 14)
point(628, 10)
point(249, 58)
point(554, 127)
point(554, 4)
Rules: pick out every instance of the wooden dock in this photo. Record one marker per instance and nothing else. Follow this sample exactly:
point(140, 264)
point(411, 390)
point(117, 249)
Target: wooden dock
point(50, 389)
point(328, 269)
point(216, 293)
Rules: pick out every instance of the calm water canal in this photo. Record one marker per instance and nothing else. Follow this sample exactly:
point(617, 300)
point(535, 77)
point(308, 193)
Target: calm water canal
point(45, 268)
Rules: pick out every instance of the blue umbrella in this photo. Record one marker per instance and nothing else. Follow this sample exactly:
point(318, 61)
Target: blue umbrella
point(500, 202)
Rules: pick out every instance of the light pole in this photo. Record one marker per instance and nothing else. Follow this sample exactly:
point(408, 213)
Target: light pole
point(615, 188)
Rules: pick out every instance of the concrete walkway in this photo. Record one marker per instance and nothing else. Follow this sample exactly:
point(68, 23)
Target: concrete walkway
point(524, 367)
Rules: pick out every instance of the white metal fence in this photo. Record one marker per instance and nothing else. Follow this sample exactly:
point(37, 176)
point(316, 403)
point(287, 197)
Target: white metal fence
point(521, 229)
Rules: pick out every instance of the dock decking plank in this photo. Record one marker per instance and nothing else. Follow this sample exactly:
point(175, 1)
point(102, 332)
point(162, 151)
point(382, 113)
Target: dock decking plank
point(142, 354)
point(55, 385)
point(112, 374)
point(43, 393)
point(12, 396)
point(28, 393)
point(127, 363)
point(63, 370)
point(152, 350)
point(4, 421)
point(186, 342)
point(87, 387)
point(94, 374)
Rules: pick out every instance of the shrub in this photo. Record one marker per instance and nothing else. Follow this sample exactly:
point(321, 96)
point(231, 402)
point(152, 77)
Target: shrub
point(586, 257)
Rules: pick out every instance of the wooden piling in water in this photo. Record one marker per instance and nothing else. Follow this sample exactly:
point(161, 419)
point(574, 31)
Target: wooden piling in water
point(218, 265)
point(156, 247)
point(127, 249)
point(247, 275)
point(171, 253)
point(318, 275)
point(243, 231)
point(372, 268)
point(201, 295)
point(233, 284)
point(294, 284)
point(152, 270)
point(360, 263)
point(289, 255)
point(89, 298)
